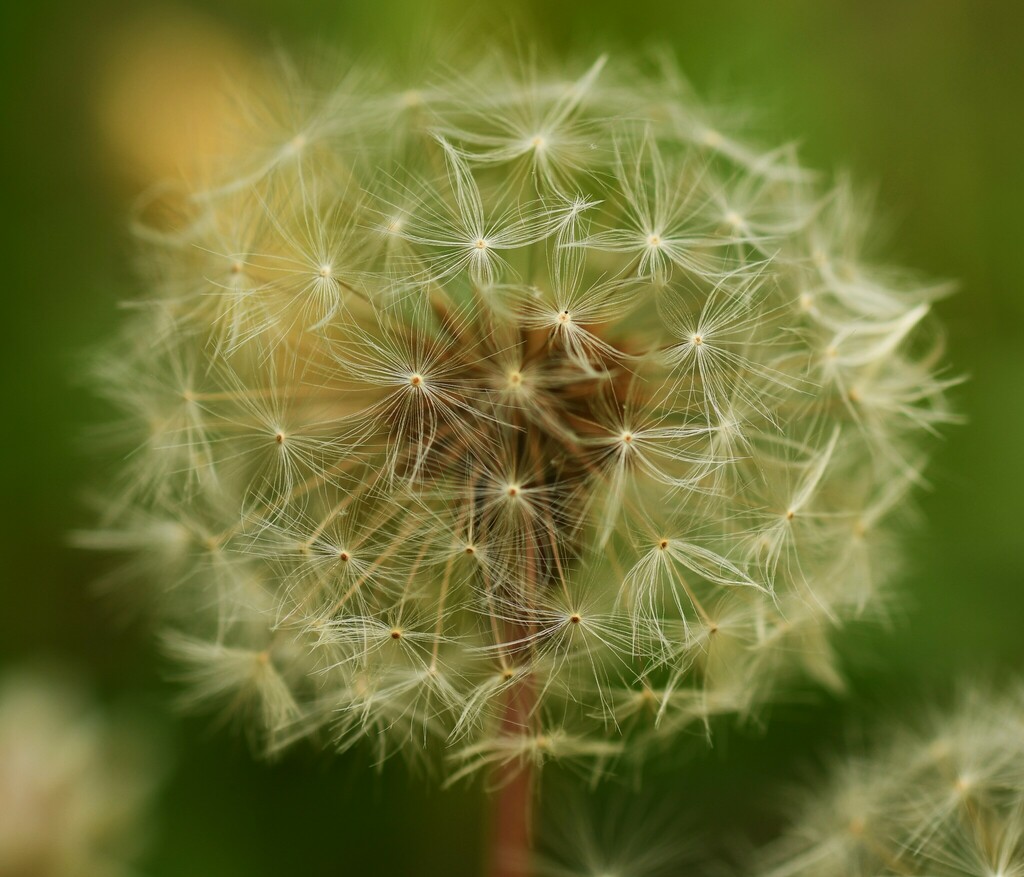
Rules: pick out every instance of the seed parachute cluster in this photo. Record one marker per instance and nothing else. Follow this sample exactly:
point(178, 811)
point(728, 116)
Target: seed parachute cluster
point(509, 417)
point(945, 800)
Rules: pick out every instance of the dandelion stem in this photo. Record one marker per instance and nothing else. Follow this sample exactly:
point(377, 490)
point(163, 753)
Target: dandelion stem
point(511, 833)
point(511, 830)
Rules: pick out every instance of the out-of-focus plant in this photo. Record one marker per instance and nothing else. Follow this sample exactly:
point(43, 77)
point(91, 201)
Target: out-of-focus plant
point(502, 416)
point(944, 799)
point(74, 783)
point(628, 835)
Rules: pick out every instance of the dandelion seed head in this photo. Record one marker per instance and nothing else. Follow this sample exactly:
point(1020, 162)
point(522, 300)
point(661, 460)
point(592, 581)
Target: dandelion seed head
point(941, 797)
point(541, 390)
point(76, 781)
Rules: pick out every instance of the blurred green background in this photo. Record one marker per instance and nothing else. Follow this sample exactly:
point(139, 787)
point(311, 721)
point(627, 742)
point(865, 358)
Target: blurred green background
point(921, 99)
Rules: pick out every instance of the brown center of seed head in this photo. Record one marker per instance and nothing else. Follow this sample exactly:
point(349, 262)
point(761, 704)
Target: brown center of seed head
point(536, 453)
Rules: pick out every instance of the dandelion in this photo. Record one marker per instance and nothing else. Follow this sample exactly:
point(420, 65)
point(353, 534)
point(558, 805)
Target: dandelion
point(74, 784)
point(517, 418)
point(944, 799)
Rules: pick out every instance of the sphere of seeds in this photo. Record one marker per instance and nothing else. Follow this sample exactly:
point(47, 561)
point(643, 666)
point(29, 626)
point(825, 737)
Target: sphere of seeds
point(944, 800)
point(528, 415)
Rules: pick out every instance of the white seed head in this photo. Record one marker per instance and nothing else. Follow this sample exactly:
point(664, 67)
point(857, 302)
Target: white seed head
point(944, 799)
point(75, 785)
point(543, 429)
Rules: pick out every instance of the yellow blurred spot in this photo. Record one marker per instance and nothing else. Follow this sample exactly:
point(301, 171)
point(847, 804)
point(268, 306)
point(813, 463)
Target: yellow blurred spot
point(161, 94)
